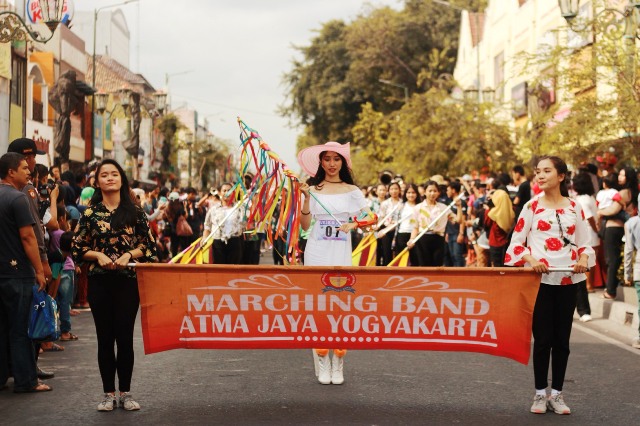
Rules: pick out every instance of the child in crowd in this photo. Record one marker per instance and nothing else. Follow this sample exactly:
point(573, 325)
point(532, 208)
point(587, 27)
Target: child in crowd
point(61, 242)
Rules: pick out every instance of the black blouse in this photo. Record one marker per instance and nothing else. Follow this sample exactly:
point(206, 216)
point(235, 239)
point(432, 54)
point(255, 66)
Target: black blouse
point(94, 233)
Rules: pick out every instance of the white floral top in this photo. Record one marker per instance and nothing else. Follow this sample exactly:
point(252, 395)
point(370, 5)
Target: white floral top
point(388, 207)
point(223, 229)
point(424, 214)
point(556, 237)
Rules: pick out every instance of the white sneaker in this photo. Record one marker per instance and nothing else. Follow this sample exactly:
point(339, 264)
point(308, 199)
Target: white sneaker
point(557, 405)
point(636, 343)
point(324, 369)
point(539, 404)
point(127, 402)
point(586, 318)
point(108, 403)
point(337, 365)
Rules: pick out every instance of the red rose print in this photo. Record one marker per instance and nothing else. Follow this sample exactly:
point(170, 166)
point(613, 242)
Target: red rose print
point(580, 250)
point(545, 262)
point(520, 225)
point(539, 211)
point(543, 225)
point(507, 258)
point(582, 213)
point(566, 281)
point(573, 203)
point(574, 255)
point(571, 229)
point(553, 244)
point(534, 205)
point(560, 211)
point(518, 250)
point(519, 263)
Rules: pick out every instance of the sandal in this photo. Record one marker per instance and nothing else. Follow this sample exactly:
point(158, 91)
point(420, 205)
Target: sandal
point(607, 296)
point(40, 387)
point(68, 339)
point(53, 348)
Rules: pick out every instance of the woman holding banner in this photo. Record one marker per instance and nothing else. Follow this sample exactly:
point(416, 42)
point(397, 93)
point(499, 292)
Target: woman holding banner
point(551, 232)
point(331, 199)
point(112, 233)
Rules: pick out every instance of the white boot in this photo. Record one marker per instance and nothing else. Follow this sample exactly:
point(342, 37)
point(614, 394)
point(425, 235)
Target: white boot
point(337, 365)
point(324, 369)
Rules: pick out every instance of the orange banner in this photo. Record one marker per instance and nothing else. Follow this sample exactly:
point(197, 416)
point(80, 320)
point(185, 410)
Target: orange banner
point(487, 310)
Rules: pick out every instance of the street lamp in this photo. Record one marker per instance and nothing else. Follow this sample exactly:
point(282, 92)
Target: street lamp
point(488, 94)
point(160, 101)
point(13, 27)
point(101, 101)
point(569, 8)
point(472, 93)
point(402, 86)
point(188, 139)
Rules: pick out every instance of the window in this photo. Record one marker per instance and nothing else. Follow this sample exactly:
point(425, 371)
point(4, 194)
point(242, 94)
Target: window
point(17, 81)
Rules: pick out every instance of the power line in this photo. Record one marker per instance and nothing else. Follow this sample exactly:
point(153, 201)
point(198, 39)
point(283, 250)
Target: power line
point(235, 108)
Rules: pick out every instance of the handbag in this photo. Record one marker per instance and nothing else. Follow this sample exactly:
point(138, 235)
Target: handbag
point(44, 320)
point(183, 229)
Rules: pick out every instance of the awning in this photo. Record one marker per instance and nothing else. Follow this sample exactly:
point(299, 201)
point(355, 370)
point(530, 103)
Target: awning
point(84, 88)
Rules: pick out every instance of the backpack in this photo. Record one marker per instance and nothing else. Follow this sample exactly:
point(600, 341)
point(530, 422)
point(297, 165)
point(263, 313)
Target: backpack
point(44, 320)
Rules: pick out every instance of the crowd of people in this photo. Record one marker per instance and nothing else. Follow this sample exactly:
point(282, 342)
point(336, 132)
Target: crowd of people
point(71, 233)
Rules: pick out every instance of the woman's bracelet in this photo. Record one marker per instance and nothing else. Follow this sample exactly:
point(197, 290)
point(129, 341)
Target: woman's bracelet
point(130, 255)
point(305, 213)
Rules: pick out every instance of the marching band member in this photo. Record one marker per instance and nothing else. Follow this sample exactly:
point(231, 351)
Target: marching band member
point(331, 198)
point(552, 232)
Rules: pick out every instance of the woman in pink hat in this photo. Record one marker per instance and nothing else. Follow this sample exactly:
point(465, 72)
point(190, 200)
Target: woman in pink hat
point(335, 199)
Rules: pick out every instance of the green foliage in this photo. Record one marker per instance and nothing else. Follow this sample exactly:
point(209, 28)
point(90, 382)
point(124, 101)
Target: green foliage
point(168, 125)
point(432, 134)
point(211, 157)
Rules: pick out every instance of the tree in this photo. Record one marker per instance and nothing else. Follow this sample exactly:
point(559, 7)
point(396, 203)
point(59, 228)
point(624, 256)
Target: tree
point(341, 68)
point(168, 126)
point(432, 134)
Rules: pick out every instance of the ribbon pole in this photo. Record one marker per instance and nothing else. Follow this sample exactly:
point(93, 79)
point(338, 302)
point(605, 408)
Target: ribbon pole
point(430, 226)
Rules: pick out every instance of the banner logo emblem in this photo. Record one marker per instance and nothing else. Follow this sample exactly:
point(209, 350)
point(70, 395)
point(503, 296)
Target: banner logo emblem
point(338, 281)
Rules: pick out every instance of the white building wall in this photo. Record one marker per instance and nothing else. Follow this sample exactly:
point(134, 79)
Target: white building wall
point(112, 33)
point(510, 29)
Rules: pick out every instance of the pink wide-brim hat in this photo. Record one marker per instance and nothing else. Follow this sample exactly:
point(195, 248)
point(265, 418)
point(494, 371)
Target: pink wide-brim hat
point(309, 158)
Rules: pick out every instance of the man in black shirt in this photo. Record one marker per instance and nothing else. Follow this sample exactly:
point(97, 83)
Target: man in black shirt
point(20, 267)
point(523, 195)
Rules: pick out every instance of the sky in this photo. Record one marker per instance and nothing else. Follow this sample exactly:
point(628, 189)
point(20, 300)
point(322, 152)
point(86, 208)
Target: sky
point(229, 56)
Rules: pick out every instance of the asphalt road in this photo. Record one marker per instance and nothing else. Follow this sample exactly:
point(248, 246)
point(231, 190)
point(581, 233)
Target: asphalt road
point(279, 387)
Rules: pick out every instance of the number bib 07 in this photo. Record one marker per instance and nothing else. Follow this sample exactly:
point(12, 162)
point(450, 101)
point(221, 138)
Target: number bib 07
point(330, 231)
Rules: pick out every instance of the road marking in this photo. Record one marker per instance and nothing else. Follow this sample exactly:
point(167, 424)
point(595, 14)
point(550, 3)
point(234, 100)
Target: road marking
point(607, 339)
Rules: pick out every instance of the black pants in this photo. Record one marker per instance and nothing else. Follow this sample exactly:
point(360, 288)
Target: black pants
point(612, 247)
point(496, 255)
point(229, 252)
point(385, 242)
point(250, 252)
point(582, 300)
point(430, 250)
point(552, 321)
point(402, 238)
point(114, 302)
